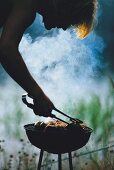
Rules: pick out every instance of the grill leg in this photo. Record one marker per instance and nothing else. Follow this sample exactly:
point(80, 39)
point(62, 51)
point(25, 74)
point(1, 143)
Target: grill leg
point(70, 161)
point(40, 159)
point(59, 162)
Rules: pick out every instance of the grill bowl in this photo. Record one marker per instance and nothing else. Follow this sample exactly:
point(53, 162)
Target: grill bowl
point(58, 141)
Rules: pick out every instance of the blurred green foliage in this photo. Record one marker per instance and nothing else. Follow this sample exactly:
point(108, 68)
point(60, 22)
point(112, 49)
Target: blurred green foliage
point(97, 113)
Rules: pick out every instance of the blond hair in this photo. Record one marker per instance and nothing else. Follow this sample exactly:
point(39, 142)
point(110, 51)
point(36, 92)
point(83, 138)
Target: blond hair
point(86, 26)
point(83, 29)
point(77, 13)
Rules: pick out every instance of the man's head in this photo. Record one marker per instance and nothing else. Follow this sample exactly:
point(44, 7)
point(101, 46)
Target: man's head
point(66, 13)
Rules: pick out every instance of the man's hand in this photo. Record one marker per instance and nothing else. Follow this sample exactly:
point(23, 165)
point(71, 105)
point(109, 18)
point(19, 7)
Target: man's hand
point(43, 106)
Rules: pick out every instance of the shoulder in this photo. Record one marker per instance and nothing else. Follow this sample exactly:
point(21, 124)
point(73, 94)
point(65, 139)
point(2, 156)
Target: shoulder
point(25, 8)
point(25, 4)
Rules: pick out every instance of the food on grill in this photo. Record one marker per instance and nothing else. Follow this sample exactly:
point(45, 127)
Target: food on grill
point(51, 126)
point(40, 125)
point(57, 125)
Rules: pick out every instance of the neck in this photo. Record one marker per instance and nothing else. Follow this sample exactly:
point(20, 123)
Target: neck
point(44, 6)
point(40, 6)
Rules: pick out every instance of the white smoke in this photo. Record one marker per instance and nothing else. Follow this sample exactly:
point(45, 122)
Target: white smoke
point(62, 64)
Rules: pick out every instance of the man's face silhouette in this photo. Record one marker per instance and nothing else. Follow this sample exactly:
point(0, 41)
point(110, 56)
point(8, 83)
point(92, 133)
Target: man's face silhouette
point(55, 21)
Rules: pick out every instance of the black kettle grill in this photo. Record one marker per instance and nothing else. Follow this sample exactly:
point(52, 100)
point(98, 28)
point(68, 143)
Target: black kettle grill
point(56, 140)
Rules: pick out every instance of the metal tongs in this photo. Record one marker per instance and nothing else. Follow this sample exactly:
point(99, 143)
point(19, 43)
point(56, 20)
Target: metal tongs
point(30, 105)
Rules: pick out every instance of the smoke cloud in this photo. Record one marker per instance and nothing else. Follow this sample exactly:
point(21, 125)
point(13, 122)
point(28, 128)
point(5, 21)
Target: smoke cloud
point(61, 63)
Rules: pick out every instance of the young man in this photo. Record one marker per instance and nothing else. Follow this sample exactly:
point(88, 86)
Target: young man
point(17, 15)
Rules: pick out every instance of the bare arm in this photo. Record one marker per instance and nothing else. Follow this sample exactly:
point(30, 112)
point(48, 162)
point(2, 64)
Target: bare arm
point(20, 18)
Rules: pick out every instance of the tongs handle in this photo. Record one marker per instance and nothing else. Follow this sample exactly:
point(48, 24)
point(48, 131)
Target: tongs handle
point(24, 99)
point(71, 119)
point(30, 105)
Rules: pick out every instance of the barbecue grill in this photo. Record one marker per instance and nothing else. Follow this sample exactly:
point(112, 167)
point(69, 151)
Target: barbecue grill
point(58, 140)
